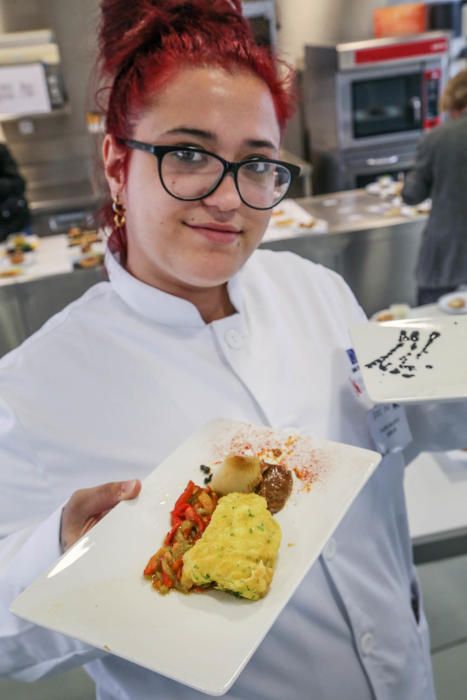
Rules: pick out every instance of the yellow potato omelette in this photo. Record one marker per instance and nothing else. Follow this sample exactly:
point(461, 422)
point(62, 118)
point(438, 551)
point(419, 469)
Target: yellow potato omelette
point(238, 549)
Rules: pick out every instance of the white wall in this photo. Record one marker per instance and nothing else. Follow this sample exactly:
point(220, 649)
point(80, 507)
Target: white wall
point(315, 21)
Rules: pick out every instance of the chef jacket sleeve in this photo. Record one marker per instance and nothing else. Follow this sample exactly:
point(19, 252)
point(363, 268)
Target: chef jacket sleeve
point(418, 182)
point(28, 546)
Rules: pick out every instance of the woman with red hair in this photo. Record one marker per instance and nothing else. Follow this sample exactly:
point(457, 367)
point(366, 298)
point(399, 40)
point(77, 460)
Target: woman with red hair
point(194, 324)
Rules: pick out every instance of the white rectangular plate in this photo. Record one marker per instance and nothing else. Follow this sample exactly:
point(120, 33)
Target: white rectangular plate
point(413, 360)
point(96, 591)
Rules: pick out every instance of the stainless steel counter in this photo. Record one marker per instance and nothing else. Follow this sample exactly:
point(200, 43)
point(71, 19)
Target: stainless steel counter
point(26, 306)
point(56, 208)
point(356, 210)
point(375, 252)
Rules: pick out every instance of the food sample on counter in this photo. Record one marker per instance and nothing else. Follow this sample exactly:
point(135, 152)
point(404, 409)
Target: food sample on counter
point(291, 219)
point(74, 232)
point(89, 261)
point(385, 180)
point(385, 316)
point(395, 312)
point(392, 212)
point(16, 256)
point(385, 187)
point(308, 224)
point(400, 310)
point(76, 237)
point(457, 303)
point(22, 242)
point(284, 222)
point(424, 207)
point(10, 272)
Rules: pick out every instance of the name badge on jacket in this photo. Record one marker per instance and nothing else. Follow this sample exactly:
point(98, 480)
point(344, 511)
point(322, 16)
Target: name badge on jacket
point(387, 422)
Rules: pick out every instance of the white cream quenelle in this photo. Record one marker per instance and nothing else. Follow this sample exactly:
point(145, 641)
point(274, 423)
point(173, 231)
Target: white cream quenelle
point(237, 473)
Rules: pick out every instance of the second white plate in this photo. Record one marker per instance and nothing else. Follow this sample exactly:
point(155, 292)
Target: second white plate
point(413, 360)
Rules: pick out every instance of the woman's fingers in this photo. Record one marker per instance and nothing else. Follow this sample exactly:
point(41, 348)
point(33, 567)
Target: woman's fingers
point(87, 506)
point(106, 496)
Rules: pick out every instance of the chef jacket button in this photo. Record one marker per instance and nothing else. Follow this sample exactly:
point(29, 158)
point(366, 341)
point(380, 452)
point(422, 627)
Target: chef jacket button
point(367, 643)
point(233, 339)
point(330, 549)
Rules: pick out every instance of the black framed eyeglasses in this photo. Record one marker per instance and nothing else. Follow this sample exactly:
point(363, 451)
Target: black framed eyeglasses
point(189, 173)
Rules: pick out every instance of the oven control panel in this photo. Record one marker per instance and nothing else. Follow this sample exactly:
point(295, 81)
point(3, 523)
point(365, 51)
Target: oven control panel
point(431, 95)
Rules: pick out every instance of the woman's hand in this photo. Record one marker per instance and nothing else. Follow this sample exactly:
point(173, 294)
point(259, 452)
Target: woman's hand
point(87, 506)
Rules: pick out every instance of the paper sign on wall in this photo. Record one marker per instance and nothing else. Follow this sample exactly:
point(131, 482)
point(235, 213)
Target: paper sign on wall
point(23, 89)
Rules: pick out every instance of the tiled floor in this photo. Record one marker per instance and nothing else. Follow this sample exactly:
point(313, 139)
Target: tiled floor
point(444, 587)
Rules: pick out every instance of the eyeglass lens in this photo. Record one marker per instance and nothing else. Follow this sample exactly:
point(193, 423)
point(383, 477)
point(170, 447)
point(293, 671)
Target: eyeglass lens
point(192, 174)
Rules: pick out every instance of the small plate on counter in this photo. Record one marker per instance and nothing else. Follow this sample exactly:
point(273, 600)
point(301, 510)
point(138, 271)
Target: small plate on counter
point(454, 303)
point(88, 261)
point(290, 219)
point(384, 187)
point(422, 209)
point(24, 242)
point(92, 256)
point(10, 272)
point(395, 312)
point(413, 360)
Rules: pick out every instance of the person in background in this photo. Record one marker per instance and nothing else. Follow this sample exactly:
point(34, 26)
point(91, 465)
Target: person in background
point(440, 172)
point(193, 325)
point(14, 211)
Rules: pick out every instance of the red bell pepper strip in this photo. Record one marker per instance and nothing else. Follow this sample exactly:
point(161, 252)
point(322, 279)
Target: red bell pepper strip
point(151, 566)
point(177, 567)
point(182, 500)
point(166, 580)
point(192, 515)
point(170, 535)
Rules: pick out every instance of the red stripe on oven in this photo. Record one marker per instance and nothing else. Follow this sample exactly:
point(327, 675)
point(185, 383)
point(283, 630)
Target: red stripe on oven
point(395, 51)
point(431, 123)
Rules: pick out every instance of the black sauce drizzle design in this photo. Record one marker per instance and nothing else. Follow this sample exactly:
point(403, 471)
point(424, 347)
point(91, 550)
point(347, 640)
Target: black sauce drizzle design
point(404, 358)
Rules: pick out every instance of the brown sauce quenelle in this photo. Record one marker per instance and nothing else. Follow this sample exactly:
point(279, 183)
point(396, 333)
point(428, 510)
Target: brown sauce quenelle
point(276, 486)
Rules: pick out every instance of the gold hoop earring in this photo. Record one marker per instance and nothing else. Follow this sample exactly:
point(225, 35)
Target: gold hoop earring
point(119, 212)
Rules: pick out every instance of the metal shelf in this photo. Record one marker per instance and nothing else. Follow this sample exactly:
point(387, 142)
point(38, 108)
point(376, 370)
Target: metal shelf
point(61, 112)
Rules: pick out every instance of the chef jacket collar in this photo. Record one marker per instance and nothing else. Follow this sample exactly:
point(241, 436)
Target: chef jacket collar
point(157, 305)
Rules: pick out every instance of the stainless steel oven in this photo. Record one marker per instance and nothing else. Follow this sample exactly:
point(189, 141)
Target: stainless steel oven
point(391, 90)
point(369, 102)
point(360, 167)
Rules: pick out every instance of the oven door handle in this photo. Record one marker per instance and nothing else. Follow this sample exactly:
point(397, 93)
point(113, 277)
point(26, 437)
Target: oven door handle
point(416, 105)
point(387, 160)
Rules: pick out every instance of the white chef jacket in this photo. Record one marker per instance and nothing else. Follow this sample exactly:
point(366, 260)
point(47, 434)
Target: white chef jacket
point(117, 380)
